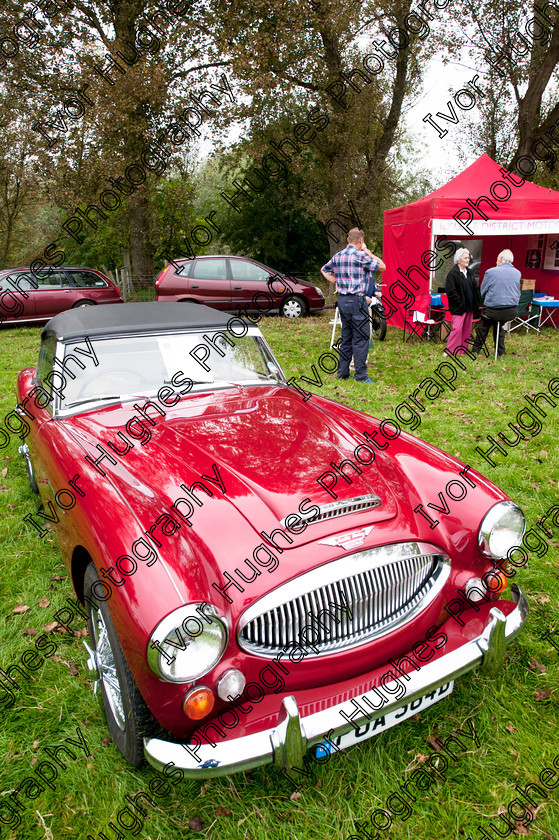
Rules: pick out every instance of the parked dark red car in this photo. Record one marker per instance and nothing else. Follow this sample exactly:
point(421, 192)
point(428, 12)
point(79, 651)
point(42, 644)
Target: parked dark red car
point(26, 296)
point(263, 573)
point(233, 283)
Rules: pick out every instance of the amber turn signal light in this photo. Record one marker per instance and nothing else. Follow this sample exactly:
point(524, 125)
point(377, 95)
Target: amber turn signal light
point(495, 581)
point(198, 702)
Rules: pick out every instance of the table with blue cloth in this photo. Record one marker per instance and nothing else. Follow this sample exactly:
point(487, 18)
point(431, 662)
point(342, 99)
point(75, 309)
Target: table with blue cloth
point(551, 305)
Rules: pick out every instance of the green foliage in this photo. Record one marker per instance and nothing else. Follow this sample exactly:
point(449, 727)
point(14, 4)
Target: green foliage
point(275, 227)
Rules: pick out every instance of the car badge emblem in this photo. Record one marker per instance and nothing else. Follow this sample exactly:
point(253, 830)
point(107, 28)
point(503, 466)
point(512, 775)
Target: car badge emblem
point(352, 539)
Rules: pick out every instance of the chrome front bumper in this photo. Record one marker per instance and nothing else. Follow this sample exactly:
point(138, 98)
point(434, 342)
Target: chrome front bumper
point(289, 740)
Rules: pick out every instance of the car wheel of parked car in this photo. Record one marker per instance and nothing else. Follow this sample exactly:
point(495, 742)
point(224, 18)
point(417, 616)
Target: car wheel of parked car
point(84, 303)
point(128, 718)
point(293, 307)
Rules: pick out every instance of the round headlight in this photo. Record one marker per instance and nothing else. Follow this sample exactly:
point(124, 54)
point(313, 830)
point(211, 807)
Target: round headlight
point(319, 291)
point(187, 643)
point(502, 528)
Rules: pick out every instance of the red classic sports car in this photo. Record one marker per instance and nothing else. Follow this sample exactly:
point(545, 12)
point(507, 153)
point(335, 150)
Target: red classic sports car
point(264, 574)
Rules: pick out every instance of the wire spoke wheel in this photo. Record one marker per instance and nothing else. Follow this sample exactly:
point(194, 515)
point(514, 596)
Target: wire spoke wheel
point(107, 667)
point(128, 717)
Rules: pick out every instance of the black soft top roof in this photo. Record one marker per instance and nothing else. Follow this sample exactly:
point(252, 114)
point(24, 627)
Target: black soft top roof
point(126, 318)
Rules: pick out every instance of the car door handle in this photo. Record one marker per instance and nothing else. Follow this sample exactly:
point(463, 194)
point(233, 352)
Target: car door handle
point(195, 287)
point(237, 288)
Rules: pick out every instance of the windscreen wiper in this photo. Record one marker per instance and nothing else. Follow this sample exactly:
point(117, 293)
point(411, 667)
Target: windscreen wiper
point(103, 397)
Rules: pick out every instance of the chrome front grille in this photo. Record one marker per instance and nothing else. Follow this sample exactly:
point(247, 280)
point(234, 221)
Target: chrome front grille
point(347, 602)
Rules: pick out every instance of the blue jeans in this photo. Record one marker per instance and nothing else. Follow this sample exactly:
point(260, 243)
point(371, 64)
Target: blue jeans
point(354, 315)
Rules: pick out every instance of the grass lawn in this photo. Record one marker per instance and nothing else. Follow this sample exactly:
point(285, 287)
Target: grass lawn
point(515, 714)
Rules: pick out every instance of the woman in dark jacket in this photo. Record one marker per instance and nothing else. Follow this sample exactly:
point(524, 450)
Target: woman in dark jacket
point(464, 301)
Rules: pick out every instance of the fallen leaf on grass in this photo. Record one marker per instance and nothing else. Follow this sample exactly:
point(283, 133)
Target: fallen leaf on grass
point(205, 786)
point(49, 628)
point(44, 602)
point(29, 632)
point(33, 760)
point(542, 694)
point(520, 827)
point(73, 669)
point(107, 741)
point(223, 812)
point(22, 608)
point(295, 795)
point(420, 758)
point(35, 744)
point(510, 728)
point(415, 717)
point(543, 599)
point(57, 577)
point(537, 666)
point(4, 472)
point(196, 824)
point(79, 633)
point(433, 743)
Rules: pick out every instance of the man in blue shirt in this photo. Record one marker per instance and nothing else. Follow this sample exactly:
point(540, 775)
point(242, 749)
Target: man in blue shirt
point(349, 269)
point(500, 290)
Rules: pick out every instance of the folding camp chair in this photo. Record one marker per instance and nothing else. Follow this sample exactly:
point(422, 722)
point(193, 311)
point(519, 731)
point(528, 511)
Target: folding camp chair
point(526, 316)
point(335, 321)
point(500, 326)
point(418, 322)
point(440, 312)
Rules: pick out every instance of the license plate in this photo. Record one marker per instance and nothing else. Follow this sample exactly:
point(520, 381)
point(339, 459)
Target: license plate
point(380, 724)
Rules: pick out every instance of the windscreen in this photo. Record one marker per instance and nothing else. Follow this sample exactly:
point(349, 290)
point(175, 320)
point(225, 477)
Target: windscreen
point(131, 366)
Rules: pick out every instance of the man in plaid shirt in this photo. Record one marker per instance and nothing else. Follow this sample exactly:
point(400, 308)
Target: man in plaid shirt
point(348, 269)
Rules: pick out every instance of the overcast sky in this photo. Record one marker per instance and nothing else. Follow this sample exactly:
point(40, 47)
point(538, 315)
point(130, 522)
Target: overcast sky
point(439, 155)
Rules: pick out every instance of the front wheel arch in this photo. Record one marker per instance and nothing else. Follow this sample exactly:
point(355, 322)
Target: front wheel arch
point(83, 302)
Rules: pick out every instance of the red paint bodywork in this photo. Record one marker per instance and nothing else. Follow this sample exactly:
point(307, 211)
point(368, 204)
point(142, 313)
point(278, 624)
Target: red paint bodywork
point(270, 446)
point(20, 304)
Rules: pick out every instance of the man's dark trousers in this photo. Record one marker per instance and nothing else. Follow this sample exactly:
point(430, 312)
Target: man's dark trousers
point(354, 315)
point(490, 317)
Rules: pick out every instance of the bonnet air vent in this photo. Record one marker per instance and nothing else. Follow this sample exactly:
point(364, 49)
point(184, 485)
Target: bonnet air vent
point(341, 508)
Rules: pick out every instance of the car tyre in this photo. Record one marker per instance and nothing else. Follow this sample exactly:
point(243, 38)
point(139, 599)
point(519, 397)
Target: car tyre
point(293, 307)
point(84, 303)
point(128, 717)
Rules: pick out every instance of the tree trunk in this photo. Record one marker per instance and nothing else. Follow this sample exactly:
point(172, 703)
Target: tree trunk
point(141, 250)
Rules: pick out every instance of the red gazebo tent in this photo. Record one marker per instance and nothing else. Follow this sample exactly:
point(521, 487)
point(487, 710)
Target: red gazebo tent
point(486, 202)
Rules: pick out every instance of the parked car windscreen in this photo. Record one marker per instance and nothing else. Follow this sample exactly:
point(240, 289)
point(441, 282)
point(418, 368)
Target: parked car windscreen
point(184, 361)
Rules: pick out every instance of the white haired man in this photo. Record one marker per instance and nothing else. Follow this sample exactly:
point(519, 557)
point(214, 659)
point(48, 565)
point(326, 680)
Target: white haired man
point(501, 292)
